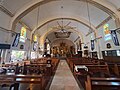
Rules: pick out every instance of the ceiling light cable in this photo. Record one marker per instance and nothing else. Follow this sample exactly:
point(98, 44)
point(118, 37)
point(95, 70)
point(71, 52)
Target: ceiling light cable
point(88, 12)
point(37, 17)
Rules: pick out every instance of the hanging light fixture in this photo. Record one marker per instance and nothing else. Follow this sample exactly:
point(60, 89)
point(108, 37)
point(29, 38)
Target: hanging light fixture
point(37, 21)
point(37, 18)
point(63, 33)
point(89, 18)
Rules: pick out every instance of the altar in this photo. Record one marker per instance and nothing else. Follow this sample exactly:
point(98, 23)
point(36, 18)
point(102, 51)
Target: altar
point(62, 50)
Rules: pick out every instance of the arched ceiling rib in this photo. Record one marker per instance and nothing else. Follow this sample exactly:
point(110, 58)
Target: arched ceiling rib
point(49, 31)
point(15, 5)
point(72, 37)
point(82, 21)
point(26, 9)
point(66, 41)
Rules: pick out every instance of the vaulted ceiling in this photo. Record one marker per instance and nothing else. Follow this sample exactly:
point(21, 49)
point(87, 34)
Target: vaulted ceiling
point(48, 14)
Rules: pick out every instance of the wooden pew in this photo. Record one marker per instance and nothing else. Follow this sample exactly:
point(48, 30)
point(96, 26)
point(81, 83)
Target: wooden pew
point(117, 69)
point(114, 69)
point(93, 71)
point(112, 59)
point(98, 68)
point(102, 83)
point(35, 66)
point(83, 61)
point(86, 64)
point(18, 79)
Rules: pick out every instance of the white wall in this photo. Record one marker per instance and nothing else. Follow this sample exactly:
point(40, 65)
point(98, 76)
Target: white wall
point(26, 44)
point(103, 42)
point(4, 20)
point(4, 36)
point(4, 23)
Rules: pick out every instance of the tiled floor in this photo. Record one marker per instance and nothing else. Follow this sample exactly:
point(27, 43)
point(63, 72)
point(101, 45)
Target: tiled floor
point(63, 79)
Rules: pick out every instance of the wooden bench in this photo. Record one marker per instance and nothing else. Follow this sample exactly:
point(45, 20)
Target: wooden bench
point(80, 63)
point(102, 83)
point(93, 71)
point(28, 79)
point(83, 61)
point(117, 69)
point(98, 68)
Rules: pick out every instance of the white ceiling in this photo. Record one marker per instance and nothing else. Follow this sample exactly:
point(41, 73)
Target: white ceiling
point(14, 5)
point(72, 37)
point(116, 3)
point(66, 41)
point(71, 8)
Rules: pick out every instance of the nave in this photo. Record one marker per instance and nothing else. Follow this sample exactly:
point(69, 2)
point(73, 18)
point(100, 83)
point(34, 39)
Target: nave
point(35, 36)
point(64, 79)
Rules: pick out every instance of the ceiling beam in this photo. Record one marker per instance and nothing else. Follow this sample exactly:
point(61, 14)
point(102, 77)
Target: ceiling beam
point(6, 11)
point(88, 33)
point(103, 22)
point(24, 24)
point(6, 30)
point(76, 39)
point(9, 13)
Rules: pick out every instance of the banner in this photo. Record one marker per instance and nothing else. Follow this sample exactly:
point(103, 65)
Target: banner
point(92, 45)
point(80, 44)
point(114, 37)
point(16, 40)
point(35, 46)
point(4, 46)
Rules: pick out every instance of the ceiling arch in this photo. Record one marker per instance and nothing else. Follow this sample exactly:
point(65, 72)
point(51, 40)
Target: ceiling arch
point(44, 35)
point(33, 4)
point(80, 20)
point(58, 41)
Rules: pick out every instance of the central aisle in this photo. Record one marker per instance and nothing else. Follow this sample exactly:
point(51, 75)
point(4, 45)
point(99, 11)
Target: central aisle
point(64, 79)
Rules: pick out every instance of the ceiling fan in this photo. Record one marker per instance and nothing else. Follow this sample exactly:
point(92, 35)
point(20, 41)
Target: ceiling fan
point(63, 33)
point(63, 27)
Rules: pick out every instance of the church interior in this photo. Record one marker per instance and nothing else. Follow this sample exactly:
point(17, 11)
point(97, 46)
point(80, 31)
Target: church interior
point(59, 44)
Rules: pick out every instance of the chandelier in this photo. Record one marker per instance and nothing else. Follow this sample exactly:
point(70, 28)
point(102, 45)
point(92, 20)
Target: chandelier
point(63, 33)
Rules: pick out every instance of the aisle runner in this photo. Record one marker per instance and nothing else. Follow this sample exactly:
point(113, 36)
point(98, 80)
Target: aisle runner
point(63, 79)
